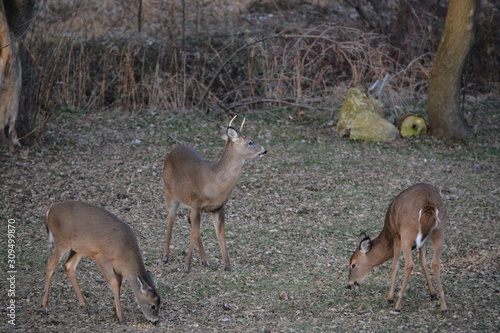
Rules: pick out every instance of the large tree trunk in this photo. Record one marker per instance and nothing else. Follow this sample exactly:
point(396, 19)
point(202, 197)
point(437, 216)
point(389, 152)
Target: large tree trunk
point(446, 119)
point(10, 81)
point(17, 111)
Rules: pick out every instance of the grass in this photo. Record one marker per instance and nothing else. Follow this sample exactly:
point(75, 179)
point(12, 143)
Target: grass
point(292, 222)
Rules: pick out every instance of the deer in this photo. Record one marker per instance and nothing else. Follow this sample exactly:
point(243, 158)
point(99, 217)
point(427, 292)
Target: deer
point(85, 230)
point(415, 215)
point(204, 187)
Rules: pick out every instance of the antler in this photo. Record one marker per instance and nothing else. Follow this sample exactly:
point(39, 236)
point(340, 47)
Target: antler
point(232, 121)
point(242, 123)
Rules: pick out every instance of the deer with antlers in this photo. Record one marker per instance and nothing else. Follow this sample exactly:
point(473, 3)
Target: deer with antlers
point(205, 186)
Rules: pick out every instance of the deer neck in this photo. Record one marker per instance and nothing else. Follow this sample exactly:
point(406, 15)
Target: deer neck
point(382, 248)
point(230, 167)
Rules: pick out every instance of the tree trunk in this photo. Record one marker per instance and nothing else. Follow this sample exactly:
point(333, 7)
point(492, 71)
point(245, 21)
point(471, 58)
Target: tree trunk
point(10, 81)
point(446, 119)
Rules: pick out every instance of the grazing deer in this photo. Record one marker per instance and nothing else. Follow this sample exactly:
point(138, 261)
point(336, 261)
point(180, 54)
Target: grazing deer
point(205, 186)
point(85, 230)
point(416, 214)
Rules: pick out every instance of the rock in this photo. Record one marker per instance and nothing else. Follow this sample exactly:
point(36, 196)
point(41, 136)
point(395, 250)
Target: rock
point(369, 126)
point(361, 119)
point(355, 103)
point(412, 125)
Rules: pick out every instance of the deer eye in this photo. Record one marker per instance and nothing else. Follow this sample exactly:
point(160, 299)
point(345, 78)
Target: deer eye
point(251, 143)
point(353, 266)
point(153, 307)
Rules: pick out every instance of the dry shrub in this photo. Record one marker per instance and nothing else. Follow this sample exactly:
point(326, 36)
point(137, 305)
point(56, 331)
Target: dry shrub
point(299, 65)
point(229, 55)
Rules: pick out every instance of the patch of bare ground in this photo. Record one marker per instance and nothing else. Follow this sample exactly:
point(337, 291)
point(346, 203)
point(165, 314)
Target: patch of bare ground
point(292, 222)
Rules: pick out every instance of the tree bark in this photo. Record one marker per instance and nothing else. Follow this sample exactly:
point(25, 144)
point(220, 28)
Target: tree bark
point(17, 111)
point(446, 119)
point(10, 81)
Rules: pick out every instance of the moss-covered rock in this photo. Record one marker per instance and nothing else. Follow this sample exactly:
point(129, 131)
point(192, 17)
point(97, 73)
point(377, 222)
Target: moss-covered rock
point(369, 126)
point(361, 119)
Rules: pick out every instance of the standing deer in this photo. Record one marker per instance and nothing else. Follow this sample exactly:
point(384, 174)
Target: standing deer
point(414, 215)
point(205, 186)
point(85, 230)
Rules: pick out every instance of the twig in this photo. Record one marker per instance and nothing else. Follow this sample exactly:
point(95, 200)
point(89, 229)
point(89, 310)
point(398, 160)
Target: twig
point(216, 74)
point(175, 140)
point(288, 101)
point(379, 92)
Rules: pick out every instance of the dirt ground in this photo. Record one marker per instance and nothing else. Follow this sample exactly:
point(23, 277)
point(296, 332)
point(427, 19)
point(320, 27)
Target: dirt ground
point(292, 222)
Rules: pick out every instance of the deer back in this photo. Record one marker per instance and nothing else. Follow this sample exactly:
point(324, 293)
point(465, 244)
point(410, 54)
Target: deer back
point(415, 213)
point(92, 231)
point(199, 183)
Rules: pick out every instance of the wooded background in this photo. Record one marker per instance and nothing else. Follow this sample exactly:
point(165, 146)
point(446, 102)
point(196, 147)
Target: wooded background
point(220, 55)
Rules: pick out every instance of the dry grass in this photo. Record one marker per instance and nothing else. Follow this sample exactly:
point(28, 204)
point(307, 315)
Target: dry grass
point(292, 222)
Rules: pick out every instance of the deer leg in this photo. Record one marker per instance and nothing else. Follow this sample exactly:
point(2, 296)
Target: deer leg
point(114, 281)
point(119, 278)
point(194, 221)
point(421, 252)
point(395, 265)
point(200, 246)
point(219, 225)
point(69, 268)
point(437, 241)
point(172, 211)
point(51, 266)
point(408, 270)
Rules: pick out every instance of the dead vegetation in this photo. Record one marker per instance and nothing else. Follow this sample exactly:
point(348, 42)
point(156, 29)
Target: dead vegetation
point(292, 222)
point(237, 55)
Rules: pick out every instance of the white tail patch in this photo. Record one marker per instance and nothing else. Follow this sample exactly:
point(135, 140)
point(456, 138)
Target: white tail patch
point(50, 237)
point(419, 241)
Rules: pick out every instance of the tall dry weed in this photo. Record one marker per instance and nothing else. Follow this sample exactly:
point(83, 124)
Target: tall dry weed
point(221, 55)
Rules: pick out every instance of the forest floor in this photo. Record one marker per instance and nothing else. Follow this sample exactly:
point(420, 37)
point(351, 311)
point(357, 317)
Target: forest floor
point(291, 224)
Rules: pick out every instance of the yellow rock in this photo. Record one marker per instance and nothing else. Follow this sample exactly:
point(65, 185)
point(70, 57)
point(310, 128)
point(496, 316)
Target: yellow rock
point(369, 126)
point(361, 119)
point(355, 103)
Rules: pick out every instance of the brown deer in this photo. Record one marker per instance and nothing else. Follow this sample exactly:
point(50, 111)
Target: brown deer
point(416, 214)
point(205, 186)
point(85, 230)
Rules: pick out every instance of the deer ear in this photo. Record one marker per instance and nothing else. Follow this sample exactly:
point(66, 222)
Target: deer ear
point(361, 237)
point(151, 278)
point(144, 286)
point(232, 134)
point(366, 245)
